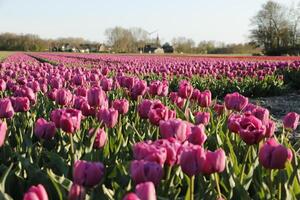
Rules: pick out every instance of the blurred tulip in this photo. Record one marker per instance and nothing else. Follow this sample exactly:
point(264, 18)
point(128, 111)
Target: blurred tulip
point(77, 192)
point(3, 129)
point(36, 193)
point(88, 174)
point(143, 171)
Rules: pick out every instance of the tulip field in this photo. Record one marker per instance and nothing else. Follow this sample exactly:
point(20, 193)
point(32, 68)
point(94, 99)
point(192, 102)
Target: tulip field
point(135, 127)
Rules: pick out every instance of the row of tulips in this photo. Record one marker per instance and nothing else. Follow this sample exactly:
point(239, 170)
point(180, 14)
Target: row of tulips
point(85, 133)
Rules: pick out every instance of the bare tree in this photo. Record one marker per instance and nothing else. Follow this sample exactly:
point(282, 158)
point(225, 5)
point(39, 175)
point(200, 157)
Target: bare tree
point(183, 44)
point(275, 27)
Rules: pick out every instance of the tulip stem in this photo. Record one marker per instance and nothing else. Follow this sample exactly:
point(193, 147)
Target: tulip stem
point(244, 163)
point(218, 185)
point(192, 182)
point(72, 150)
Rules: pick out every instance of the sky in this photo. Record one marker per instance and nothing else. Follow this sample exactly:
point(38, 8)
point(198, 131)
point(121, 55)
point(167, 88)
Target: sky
point(218, 20)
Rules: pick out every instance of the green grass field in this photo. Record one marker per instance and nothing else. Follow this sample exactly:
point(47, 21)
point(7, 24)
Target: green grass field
point(4, 54)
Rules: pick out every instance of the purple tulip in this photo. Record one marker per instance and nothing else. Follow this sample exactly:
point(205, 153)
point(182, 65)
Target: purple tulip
point(88, 174)
point(143, 171)
point(251, 130)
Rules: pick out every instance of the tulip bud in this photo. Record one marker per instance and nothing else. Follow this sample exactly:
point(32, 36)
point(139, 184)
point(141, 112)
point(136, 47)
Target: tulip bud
point(235, 101)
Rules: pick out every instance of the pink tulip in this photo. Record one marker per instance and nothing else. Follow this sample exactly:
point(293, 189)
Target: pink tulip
point(149, 152)
point(6, 108)
point(2, 85)
point(273, 155)
point(3, 129)
point(202, 118)
point(173, 128)
point(185, 89)
point(235, 101)
point(36, 193)
point(214, 162)
point(63, 97)
point(205, 99)
point(96, 97)
point(70, 120)
point(108, 117)
point(20, 104)
point(121, 105)
point(251, 130)
point(144, 108)
point(146, 191)
point(192, 159)
point(44, 130)
point(219, 109)
point(131, 196)
point(197, 135)
point(138, 89)
point(100, 138)
point(291, 120)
